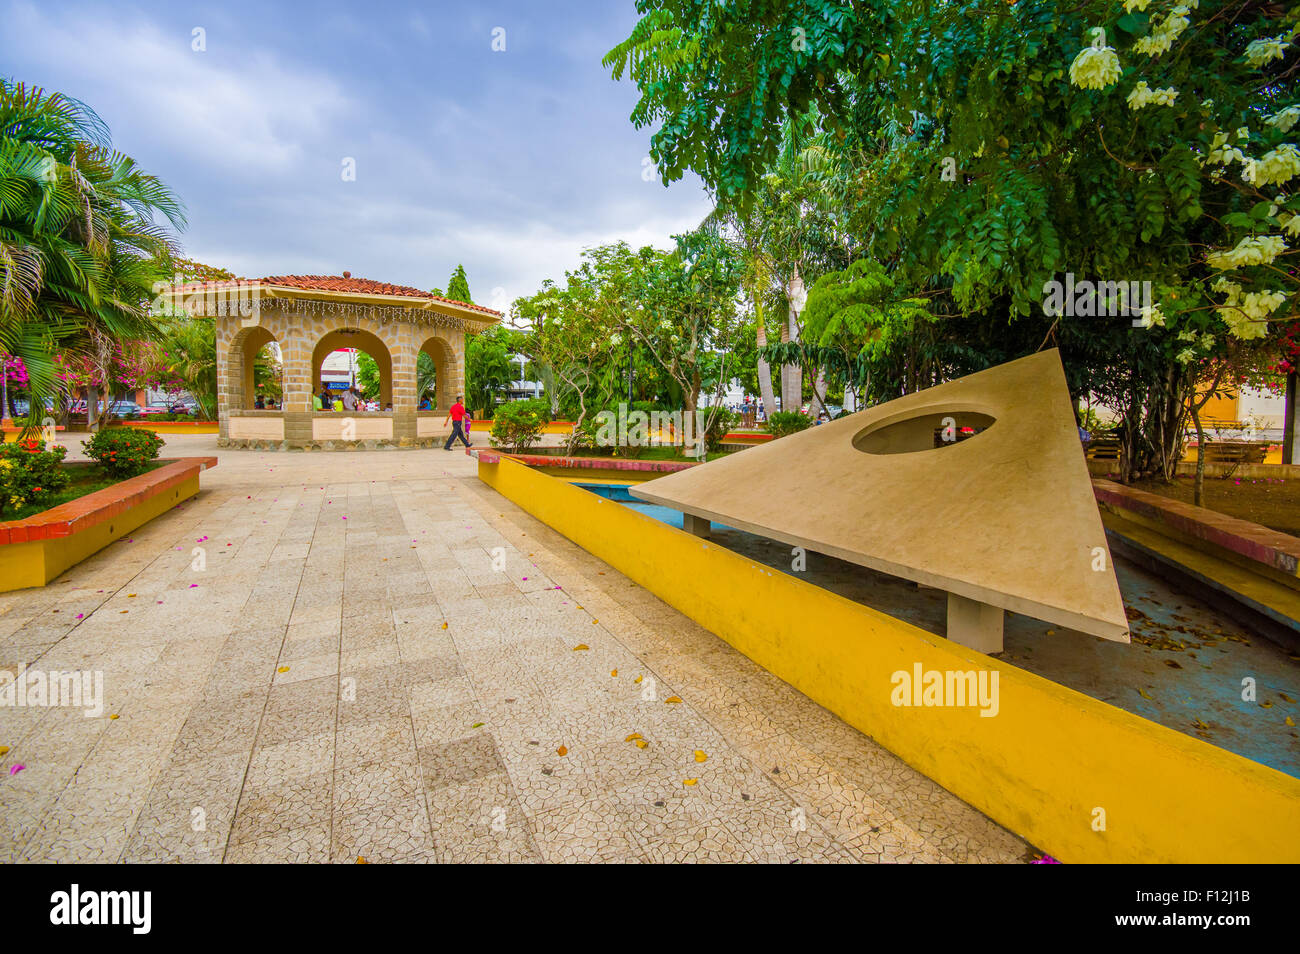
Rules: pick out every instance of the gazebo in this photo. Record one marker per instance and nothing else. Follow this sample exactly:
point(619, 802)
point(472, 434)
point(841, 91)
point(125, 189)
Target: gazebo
point(311, 316)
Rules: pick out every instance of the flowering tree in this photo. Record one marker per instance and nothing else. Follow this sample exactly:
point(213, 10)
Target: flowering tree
point(979, 151)
point(111, 367)
point(1225, 105)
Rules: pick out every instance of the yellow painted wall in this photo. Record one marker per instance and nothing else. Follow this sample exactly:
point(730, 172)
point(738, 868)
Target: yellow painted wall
point(37, 562)
point(1040, 767)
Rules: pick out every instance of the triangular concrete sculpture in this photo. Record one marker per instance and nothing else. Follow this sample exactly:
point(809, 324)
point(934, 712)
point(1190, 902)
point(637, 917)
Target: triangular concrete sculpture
point(977, 486)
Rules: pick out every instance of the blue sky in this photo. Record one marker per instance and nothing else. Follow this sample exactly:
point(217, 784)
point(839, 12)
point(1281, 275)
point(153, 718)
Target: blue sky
point(508, 161)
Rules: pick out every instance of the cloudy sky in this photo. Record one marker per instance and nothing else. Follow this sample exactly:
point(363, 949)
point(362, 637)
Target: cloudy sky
point(510, 161)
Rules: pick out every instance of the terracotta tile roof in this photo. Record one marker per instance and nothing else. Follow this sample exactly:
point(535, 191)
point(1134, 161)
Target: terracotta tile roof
point(349, 285)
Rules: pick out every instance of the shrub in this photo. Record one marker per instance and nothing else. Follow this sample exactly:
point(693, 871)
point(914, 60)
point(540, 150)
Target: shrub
point(717, 422)
point(517, 425)
point(123, 451)
point(29, 473)
point(539, 406)
point(783, 423)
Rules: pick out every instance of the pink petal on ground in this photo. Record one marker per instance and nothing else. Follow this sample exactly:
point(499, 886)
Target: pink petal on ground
point(15, 769)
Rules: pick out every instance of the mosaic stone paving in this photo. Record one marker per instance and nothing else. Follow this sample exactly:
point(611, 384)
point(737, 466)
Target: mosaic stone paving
point(334, 657)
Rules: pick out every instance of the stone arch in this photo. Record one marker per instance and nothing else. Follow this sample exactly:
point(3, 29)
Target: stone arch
point(449, 370)
point(363, 340)
point(240, 352)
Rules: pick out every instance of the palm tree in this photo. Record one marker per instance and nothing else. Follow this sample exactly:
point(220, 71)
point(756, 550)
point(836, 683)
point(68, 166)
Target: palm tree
point(79, 247)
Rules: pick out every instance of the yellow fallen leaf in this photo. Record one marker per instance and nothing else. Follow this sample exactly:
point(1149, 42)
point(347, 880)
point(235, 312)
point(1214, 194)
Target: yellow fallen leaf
point(641, 743)
point(562, 751)
point(113, 716)
point(689, 781)
point(672, 699)
point(362, 861)
point(594, 622)
point(637, 680)
point(130, 596)
point(700, 756)
point(4, 749)
point(1290, 721)
point(1267, 704)
point(283, 669)
point(633, 737)
point(1051, 632)
point(444, 625)
point(1286, 697)
point(580, 646)
point(1143, 693)
point(614, 673)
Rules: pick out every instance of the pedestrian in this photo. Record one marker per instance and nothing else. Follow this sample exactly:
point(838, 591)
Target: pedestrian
point(260, 403)
point(349, 400)
point(459, 418)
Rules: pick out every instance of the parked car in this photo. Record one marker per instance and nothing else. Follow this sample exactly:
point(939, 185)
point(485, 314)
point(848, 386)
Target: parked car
point(153, 410)
point(125, 409)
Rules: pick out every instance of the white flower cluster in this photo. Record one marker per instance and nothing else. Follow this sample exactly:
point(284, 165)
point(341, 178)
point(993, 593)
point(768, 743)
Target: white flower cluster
point(1223, 154)
point(1139, 5)
point(1277, 166)
point(1265, 50)
point(1284, 119)
point(1152, 316)
point(1252, 250)
point(1290, 224)
point(1164, 33)
point(1246, 314)
point(1144, 95)
point(1095, 68)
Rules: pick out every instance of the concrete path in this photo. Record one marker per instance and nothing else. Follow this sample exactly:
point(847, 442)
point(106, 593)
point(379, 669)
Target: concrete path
point(344, 656)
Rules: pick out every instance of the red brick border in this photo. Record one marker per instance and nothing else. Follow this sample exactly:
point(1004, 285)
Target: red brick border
point(1281, 551)
point(85, 512)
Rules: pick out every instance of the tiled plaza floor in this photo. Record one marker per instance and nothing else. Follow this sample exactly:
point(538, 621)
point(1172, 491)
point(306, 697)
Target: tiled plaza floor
point(346, 671)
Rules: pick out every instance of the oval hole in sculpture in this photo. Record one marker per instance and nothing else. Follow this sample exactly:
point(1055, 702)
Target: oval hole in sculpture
point(931, 430)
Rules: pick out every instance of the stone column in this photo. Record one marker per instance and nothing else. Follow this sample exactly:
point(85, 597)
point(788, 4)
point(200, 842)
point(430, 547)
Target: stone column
point(295, 353)
point(230, 374)
point(404, 352)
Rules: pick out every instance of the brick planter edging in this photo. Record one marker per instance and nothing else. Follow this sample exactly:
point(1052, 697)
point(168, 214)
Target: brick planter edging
point(95, 508)
point(1276, 550)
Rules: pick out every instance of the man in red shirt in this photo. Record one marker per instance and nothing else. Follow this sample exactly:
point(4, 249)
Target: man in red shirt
point(458, 417)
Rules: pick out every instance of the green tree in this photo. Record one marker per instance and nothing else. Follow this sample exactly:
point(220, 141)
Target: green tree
point(458, 286)
point(79, 246)
point(981, 151)
point(488, 369)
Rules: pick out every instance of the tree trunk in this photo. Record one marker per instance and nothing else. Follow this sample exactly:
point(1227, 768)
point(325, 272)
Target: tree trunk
point(792, 374)
point(1198, 492)
point(819, 394)
point(1291, 422)
point(764, 369)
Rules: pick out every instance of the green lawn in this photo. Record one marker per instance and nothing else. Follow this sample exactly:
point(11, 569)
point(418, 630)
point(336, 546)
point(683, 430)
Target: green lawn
point(86, 479)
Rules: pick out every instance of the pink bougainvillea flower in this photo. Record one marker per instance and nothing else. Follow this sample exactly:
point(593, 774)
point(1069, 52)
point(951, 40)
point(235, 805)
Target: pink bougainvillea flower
point(15, 769)
point(192, 585)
